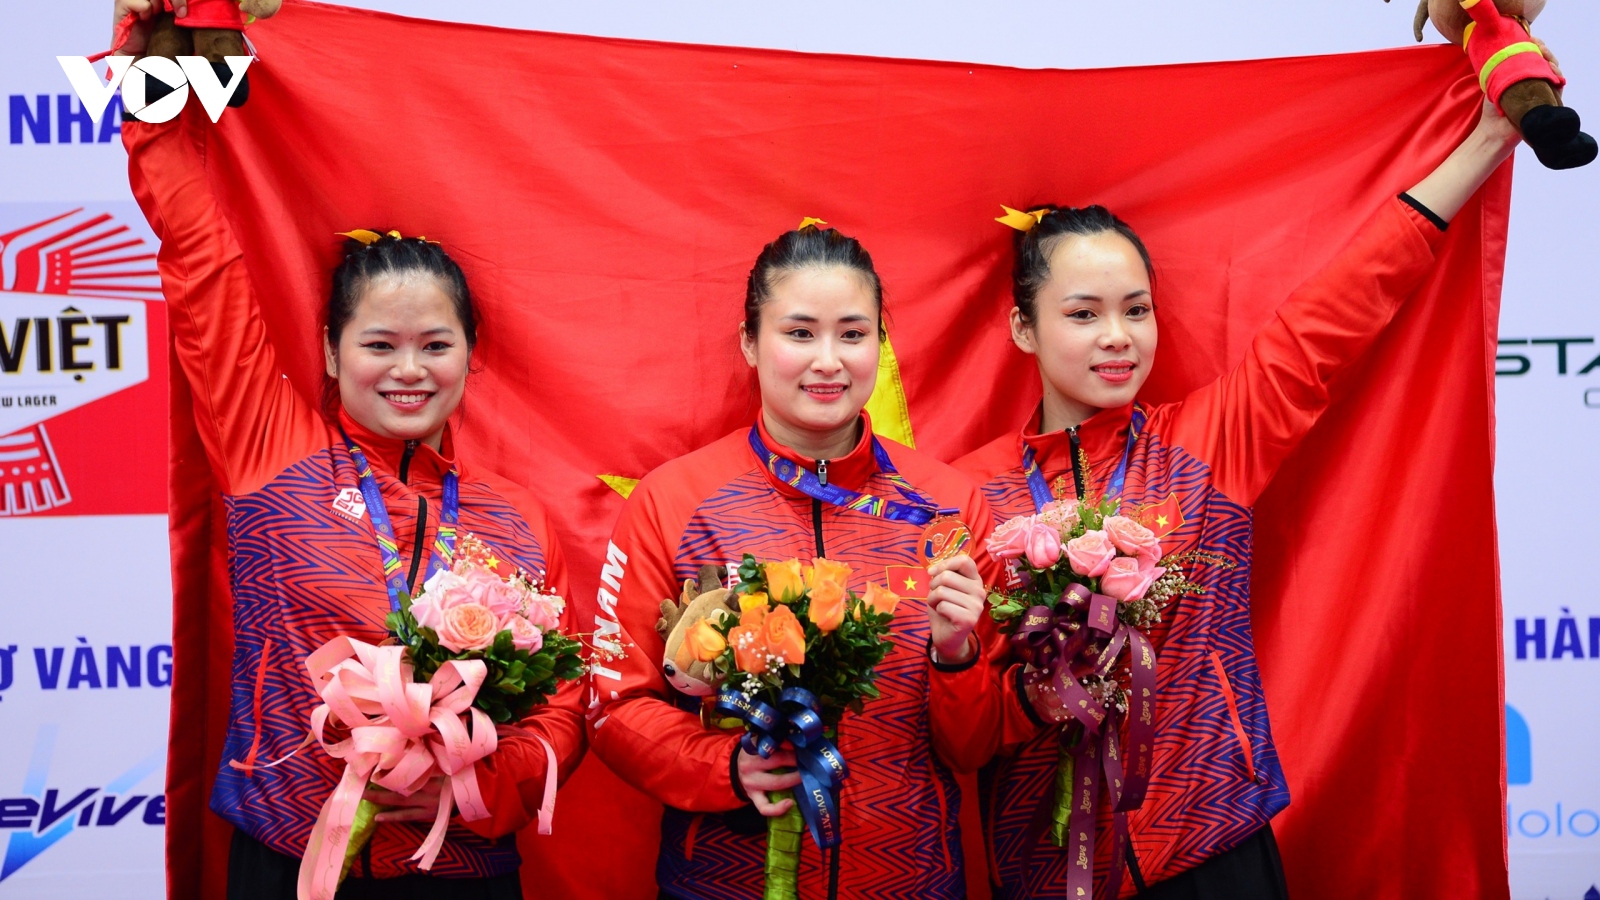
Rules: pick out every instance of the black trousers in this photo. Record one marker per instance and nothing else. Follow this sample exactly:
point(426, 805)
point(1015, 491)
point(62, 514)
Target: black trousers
point(1250, 871)
point(257, 872)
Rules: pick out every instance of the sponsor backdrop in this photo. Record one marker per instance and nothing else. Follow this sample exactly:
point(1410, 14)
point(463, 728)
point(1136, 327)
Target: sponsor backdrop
point(85, 659)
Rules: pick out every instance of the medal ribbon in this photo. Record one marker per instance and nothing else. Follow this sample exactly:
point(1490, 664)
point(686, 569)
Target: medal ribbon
point(444, 545)
point(822, 766)
point(918, 509)
point(1041, 491)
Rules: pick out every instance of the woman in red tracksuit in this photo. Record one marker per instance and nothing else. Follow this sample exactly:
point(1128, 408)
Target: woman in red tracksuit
point(1189, 471)
point(779, 488)
point(304, 560)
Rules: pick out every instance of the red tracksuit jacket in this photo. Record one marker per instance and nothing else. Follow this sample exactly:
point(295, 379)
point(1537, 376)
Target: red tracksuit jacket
point(900, 803)
point(1194, 473)
point(302, 573)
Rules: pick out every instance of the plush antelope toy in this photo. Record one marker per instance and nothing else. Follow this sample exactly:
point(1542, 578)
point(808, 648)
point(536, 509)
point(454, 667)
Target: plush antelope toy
point(213, 29)
point(682, 662)
point(1514, 73)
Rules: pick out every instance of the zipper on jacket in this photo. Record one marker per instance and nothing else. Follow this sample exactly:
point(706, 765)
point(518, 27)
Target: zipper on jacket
point(1079, 476)
point(416, 549)
point(1133, 869)
point(405, 461)
point(816, 529)
point(816, 505)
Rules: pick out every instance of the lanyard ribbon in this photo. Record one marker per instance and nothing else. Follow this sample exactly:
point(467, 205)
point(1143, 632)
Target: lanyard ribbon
point(918, 508)
point(1053, 640)
point(444, 545)
point(799, 724)
point(1041, 491)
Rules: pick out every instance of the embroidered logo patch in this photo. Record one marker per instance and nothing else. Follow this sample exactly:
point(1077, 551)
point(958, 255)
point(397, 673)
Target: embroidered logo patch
point(1163, 518)
point(350, 504)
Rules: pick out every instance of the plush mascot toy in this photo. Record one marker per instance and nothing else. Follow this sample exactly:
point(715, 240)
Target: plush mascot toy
point(213, 29)
point(1514, 73)
point(689, 651)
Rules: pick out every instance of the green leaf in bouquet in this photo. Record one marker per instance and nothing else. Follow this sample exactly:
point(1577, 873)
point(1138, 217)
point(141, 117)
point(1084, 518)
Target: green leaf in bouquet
point(752, 577)
point(503, 646)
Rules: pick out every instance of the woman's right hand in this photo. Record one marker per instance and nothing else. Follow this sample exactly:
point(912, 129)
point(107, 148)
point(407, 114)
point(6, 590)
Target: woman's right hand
point(142, 11)
point(757, 777)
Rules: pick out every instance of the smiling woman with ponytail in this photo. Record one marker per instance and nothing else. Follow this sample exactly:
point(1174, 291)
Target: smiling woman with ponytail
point(807, 478)
point(1085, 308)
point(298, 479)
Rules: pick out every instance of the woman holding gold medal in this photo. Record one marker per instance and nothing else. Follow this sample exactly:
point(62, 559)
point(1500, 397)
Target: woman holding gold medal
point(807, 479)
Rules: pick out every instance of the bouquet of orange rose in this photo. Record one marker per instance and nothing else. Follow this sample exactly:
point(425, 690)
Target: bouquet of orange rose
point(801, 651)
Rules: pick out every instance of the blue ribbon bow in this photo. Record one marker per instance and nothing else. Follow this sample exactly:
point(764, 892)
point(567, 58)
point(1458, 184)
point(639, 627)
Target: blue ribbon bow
point(799, 724)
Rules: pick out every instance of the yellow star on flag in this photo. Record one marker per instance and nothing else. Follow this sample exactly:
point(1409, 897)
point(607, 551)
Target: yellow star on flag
point(1162, 521)
point(492, 562)
point(911, 584)
point(622, 484)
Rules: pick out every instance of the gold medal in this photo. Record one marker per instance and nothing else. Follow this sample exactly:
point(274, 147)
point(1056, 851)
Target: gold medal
point(944, 538)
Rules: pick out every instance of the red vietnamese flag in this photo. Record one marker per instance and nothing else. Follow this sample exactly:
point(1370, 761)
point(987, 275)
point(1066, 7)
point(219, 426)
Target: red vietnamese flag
point(910, 582)
point(1162, 518)
point(607, 197)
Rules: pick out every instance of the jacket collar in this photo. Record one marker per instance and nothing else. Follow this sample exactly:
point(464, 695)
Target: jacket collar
point(849, 471)
point(1102, 436)
point(426, 466)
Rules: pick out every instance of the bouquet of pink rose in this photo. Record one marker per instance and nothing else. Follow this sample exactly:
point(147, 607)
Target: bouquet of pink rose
point(467, 612)
point(1091, 583)
point(472, 650)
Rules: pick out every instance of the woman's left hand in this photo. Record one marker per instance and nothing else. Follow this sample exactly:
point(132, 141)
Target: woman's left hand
point(955, 604)
point(421, 806)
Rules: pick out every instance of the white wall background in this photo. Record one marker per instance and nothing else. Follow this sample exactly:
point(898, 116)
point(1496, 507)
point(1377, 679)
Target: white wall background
point(1549, 421)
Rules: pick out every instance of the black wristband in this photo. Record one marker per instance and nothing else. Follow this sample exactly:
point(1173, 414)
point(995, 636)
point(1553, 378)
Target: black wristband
point(950, 667)
point(1425, 212)
point(1022, 701)
point(733, 774)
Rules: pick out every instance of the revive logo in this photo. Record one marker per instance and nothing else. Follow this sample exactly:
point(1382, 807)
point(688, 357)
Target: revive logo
point(41, 816)
point(96, 92)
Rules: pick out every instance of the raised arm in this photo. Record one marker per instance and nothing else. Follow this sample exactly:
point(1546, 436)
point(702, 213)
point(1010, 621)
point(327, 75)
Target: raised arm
point(1246, 423)
point(252, 421)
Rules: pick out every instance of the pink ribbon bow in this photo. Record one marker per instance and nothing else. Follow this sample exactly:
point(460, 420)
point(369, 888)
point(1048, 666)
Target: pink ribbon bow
point(402, 733)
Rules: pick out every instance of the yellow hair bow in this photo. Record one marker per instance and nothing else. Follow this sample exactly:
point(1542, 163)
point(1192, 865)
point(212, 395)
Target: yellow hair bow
point(1021, 221)
point(371, 237)
point(808, 221)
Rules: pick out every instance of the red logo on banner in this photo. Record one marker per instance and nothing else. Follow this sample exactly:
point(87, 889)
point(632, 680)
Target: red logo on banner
point(73, 330)
point(30, 478)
